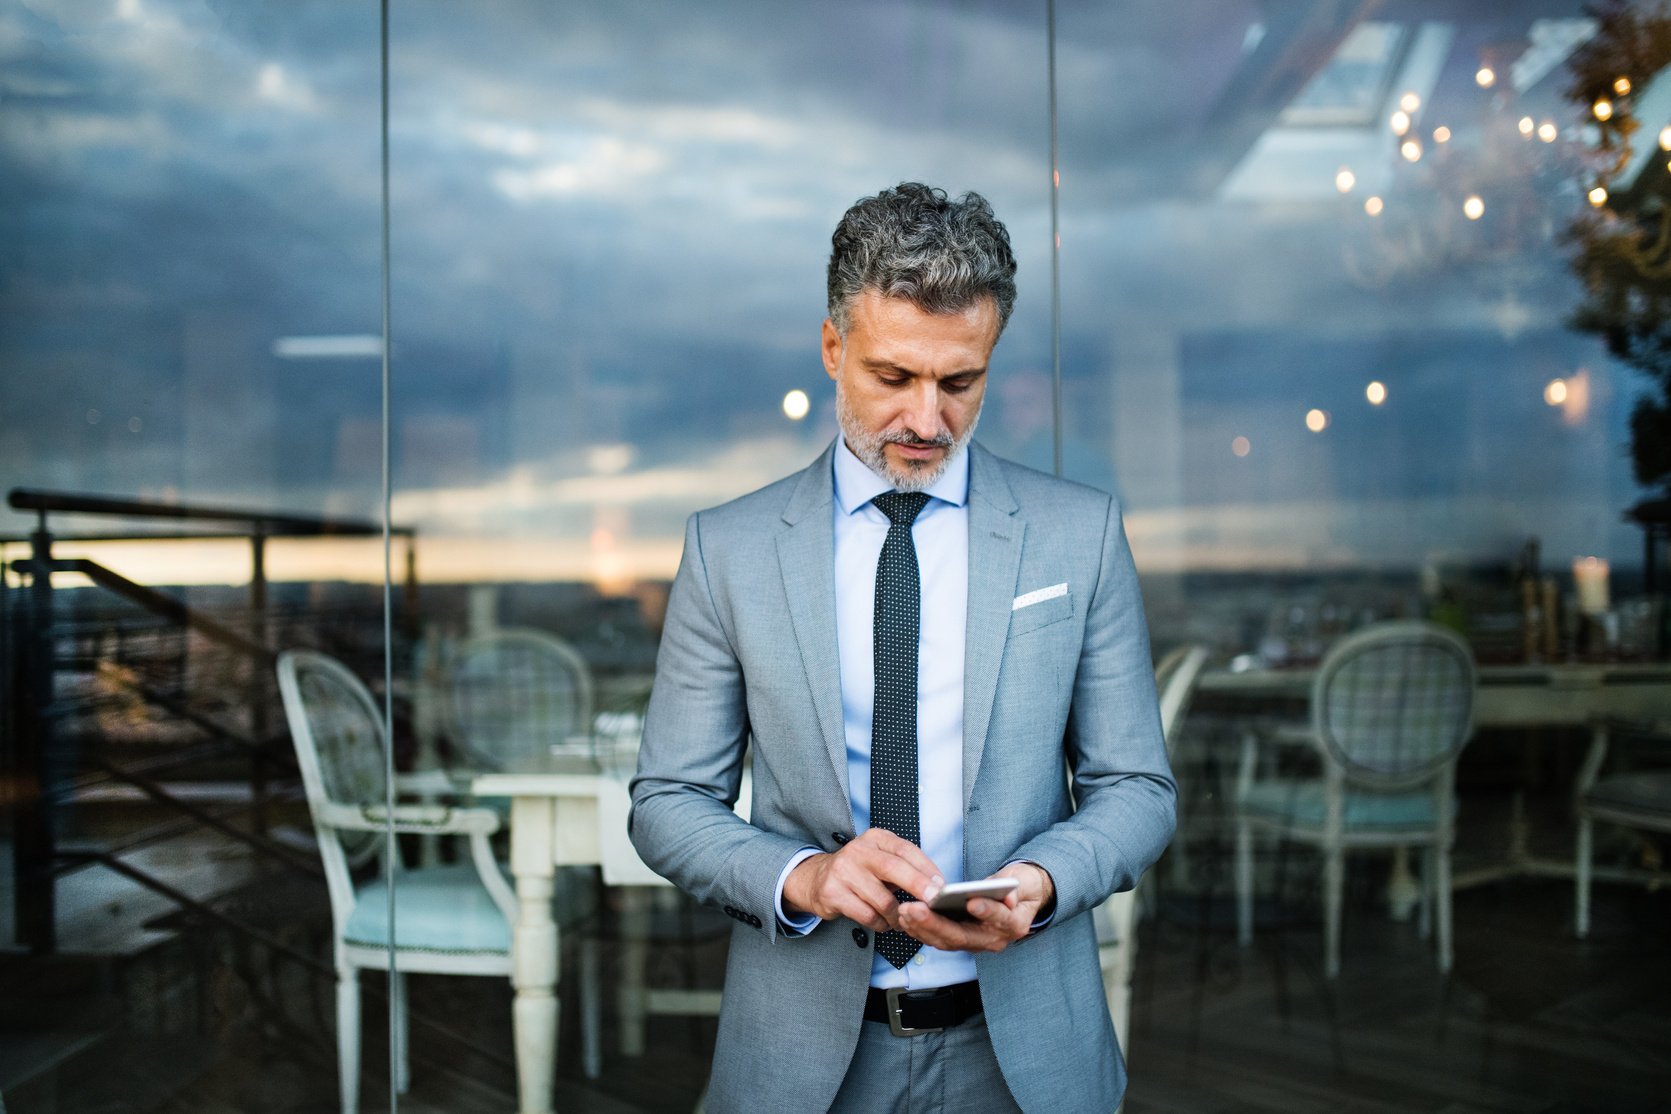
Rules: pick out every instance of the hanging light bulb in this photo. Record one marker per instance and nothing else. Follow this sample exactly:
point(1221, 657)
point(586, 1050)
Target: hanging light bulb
point(1441, 134)
point(1344, 179)
point(1411, 150)
point(1621, 86)
point(1665, 138)
point(1603, 109)
point(1527, 125)
point(1485, 77)
point(1474, 207)
point(1409, 102)
point(1547, 131)
point(1373, 206)
point(1399, 122)
point(1598, 196)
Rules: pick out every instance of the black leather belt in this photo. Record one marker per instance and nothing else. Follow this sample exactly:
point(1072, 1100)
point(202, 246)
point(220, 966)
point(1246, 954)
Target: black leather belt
point(911, 1013)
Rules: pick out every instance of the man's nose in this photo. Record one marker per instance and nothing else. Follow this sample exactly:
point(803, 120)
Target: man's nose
point(922, 416)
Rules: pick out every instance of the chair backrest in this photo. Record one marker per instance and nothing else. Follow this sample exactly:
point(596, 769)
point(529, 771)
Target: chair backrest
point(513, 694)
point(1175, 678)
point(338, 734)
point(1393, 704)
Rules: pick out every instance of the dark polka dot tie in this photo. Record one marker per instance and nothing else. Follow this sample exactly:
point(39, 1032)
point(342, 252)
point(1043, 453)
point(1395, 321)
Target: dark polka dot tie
point(893, 727)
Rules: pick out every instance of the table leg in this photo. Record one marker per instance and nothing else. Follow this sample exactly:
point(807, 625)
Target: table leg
point(1402, 891)
point(534, 953)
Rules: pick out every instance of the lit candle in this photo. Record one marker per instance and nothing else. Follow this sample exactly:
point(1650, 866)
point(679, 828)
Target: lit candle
point(1589, 575)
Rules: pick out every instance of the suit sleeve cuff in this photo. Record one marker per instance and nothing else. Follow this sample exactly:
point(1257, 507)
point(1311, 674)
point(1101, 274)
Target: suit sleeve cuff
point(802, 925)
point(1047, 912)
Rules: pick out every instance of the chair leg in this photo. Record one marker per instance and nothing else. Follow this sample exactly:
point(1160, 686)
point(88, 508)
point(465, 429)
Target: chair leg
point(1581, 880)
point(1442, 894)
point(403, 1036)
point(1334, 884)
point(1429, 887)
point(348, 1037)
point(1244, 883)
point(591, 1015)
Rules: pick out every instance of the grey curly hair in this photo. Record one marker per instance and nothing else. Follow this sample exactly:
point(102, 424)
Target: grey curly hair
point(913, 242)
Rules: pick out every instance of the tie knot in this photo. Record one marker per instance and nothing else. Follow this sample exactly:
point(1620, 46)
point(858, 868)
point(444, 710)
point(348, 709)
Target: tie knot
point(901, 507)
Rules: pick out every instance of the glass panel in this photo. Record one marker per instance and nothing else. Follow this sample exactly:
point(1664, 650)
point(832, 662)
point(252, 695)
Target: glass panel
point(189, 420)
point(1318, 308)
point(611, 227)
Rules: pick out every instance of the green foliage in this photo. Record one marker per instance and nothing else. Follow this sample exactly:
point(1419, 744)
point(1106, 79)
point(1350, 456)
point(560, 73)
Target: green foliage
point(1623, 249)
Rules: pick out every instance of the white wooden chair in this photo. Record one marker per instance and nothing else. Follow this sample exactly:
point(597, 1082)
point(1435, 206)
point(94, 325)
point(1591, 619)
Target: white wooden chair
point(1638, 799)
point(1116, 918)
point(1391, 709)
point(453, 919)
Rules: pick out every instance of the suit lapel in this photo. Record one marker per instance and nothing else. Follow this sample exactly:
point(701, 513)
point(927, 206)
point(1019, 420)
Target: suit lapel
point(995, 537)
point(806, 559)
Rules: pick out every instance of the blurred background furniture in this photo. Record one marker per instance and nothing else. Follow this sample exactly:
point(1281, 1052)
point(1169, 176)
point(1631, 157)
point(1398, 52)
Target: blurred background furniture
point(452, 919)
point(1391, 709)
point(1639, 798)
point(1567, 694)
point(514, 695)
point(1116, 918)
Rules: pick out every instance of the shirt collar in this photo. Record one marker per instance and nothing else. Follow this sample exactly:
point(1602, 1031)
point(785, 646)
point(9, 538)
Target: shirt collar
point(856, 484)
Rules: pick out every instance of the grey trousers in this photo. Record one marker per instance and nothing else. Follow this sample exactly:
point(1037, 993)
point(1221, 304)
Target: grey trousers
point(945, 1072)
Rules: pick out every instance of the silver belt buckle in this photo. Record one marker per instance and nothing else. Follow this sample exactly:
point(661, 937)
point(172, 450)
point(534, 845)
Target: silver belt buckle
point(895, 1026)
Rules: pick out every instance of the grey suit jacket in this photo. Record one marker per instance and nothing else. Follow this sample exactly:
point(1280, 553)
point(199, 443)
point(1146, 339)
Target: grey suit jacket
point(748, 660)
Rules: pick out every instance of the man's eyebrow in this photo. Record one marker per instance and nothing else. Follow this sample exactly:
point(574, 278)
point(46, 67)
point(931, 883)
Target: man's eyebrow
point(884, 365)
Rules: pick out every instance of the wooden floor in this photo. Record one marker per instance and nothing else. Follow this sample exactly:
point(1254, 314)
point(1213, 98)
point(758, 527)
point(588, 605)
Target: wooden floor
point(1531, 1019)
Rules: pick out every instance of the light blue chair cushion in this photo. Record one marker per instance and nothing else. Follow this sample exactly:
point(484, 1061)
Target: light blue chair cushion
point(1305, 803)
point(442, 909)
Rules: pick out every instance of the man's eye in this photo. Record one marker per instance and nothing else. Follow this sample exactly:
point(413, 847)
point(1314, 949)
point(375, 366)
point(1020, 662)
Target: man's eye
point(955, 387)
point(894, 380)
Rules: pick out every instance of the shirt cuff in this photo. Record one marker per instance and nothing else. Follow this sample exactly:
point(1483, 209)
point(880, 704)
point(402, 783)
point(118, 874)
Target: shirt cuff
point(1048, 910)
point(804, 924)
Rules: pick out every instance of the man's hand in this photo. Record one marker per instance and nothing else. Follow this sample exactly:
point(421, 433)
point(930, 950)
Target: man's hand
point(858, 881)
point(997, 924)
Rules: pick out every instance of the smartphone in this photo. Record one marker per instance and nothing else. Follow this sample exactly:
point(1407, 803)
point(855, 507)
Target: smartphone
point(950, 902)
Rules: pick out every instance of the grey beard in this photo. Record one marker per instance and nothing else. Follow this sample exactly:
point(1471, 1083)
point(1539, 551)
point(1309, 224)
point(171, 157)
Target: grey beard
point(868, 447)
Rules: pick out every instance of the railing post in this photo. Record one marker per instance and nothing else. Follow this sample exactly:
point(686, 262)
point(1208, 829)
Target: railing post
point(34, 847)
point(259, 718)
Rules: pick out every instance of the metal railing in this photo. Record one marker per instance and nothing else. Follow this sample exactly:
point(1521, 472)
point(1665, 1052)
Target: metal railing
point(34, 777)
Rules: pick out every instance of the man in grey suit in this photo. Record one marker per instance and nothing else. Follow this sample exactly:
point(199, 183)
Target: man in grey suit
point(937, 664)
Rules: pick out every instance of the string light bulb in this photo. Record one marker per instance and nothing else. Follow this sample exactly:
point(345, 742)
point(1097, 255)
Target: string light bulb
point(1547, 131)
point(1665, 138)
point(1621, 86)
point(1344, 179)
point(1373, 206)
point(1598, 196)
point(1399, 122)
point(1409, 102)
point(1527, 125)
point(1441, 134)
point(1485, 77)
point(1474, 207)
point(1603, 109)
point(1411, 150)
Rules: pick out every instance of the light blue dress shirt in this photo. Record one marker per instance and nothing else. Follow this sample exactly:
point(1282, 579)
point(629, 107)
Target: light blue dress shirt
point(941, 534)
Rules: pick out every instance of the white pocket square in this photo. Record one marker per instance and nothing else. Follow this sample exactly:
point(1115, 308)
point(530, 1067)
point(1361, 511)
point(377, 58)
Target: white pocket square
point(1039, 595)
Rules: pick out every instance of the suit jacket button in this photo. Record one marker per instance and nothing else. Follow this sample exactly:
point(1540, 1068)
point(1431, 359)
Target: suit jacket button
point(861, 938)
point(841, 838)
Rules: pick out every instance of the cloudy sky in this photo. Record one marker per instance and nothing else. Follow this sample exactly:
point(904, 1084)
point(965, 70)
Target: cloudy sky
point(609, 231)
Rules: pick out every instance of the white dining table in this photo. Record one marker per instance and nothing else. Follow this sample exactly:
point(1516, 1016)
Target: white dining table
point(554, 823)
point(571, 811)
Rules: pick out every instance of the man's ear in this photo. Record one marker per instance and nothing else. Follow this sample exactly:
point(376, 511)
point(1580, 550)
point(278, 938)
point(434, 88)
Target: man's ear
point(831, 348)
